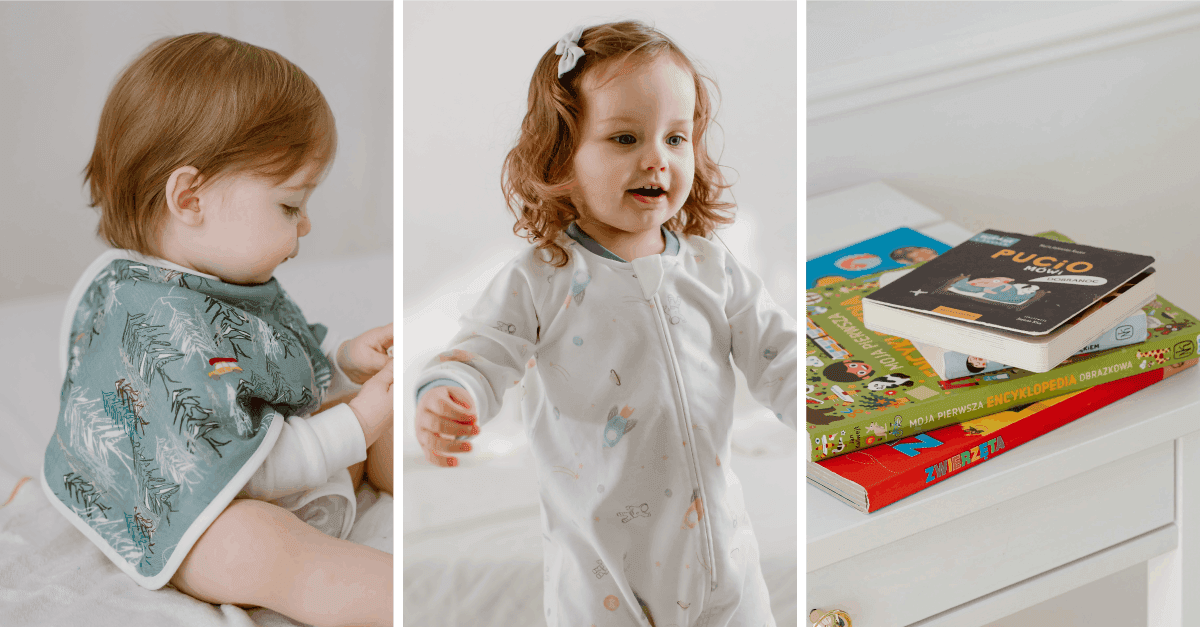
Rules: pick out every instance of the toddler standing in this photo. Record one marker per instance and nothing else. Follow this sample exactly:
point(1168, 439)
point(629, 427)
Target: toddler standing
point(200, 440)
point(622, 324)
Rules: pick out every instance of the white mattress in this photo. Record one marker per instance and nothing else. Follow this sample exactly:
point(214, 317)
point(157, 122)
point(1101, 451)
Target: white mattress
point(49, 573)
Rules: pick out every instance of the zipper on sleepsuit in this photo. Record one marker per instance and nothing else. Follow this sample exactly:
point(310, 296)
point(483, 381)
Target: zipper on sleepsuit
point(705, 520)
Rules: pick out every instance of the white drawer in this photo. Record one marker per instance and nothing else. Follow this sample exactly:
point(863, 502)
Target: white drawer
point(954, 563)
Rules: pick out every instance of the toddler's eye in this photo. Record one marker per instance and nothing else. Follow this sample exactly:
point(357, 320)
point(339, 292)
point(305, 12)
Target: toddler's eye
point(291, 211)
point(620, 139)
point(675, 143)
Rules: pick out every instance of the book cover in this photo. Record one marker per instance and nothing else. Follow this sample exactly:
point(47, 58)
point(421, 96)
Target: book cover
point(865, 388)
point(1019, 283)
point(886, 474)
point(895, 249)
point(953, 365)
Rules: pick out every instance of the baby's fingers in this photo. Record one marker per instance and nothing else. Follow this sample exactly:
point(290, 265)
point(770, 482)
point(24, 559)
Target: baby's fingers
point(450, 427)
point(445, 461)
point(453, 427)
point(433, 442)
point(446, 405)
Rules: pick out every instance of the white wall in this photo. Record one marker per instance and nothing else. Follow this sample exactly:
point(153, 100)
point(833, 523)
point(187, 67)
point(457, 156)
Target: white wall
point(58, 61)
point(1077, 117)
point(466, 77)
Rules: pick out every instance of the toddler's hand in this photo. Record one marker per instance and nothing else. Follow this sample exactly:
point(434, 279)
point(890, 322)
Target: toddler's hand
point(373, 405)
point(365, 355)
point(445, 410)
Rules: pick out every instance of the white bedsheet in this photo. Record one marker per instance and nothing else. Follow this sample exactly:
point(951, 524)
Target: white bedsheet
point(49, 573)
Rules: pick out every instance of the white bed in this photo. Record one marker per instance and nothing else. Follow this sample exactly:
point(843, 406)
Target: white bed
point(49, 573)
point(472, 534)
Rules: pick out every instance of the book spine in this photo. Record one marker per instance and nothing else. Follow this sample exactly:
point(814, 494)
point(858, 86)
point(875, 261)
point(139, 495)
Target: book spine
point(950, 462)
point(972, 402)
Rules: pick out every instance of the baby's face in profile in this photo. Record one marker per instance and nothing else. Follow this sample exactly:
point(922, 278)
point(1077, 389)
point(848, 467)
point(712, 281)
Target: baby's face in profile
point(246, 227)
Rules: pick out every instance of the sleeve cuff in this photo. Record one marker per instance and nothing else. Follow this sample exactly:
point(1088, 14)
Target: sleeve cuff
point(340, 435)
point(339, 383)
point(435, 383)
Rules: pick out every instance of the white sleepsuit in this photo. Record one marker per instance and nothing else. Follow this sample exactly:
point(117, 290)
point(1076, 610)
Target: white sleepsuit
point(627, 402)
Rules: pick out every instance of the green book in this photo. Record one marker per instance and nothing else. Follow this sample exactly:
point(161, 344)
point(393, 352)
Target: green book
point(866, 388)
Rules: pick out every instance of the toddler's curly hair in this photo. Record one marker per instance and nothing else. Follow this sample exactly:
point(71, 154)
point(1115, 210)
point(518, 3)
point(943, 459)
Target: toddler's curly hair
point(218, 104)
point(536, 169)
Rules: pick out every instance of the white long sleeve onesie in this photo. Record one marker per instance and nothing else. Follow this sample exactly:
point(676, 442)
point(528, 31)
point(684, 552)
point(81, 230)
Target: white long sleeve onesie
point(306, 471)
point(627, 400)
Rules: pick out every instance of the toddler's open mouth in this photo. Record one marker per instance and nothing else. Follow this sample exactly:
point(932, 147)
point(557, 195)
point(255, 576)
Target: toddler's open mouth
point(647, 194)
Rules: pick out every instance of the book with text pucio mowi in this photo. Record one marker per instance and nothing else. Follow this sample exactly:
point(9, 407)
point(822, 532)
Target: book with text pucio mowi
point(881, 475)
point(866, 388)
point(1021, 300)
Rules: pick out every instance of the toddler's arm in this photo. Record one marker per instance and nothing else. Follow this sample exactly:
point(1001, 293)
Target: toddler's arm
point(764, 342)
point(490, 352)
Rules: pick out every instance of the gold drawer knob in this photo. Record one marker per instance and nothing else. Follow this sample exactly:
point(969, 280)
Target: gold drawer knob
point(829, 618)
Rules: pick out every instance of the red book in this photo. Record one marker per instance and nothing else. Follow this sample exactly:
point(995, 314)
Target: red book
point(871, 478)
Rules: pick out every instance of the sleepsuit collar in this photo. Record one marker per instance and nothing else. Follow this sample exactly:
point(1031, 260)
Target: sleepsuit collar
point(592, 245)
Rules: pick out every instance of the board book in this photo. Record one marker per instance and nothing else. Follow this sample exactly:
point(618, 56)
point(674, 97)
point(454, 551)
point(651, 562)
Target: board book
point(865, 388)
point(1039, 353)
point(1017, 283)
point(879, 476)
point(895, 249)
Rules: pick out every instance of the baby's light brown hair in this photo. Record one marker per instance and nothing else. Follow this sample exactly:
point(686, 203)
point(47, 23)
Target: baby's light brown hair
point(215, 103)
point(540, 164)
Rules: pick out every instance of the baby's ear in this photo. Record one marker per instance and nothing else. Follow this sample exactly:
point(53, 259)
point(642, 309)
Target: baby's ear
point(182, 201)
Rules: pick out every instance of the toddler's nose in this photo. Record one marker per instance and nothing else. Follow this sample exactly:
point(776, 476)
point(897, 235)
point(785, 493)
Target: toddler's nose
point(304, 226)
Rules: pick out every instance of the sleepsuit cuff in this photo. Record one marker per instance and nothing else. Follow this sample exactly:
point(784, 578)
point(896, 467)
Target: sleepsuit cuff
point(435, 383)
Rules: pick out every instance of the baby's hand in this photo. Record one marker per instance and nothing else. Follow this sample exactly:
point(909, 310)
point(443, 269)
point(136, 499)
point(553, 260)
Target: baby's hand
point(365, 355)
point(444, 410)
point(373, 405)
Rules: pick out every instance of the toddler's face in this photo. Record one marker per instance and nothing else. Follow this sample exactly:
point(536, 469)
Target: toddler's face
point(635, 131)
point(249, 226)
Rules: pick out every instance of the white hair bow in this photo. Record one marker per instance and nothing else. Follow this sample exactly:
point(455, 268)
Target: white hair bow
point(569, 51)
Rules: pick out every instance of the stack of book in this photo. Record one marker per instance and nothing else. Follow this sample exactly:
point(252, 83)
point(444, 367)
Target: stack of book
point(917, 374)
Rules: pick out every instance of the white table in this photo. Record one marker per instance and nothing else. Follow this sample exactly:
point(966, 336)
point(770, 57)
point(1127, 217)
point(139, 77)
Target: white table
point(1098, 496)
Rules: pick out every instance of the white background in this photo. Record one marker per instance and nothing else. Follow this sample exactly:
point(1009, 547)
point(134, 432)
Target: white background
point(1099, 142)
point(466, 76)
point(58, 61)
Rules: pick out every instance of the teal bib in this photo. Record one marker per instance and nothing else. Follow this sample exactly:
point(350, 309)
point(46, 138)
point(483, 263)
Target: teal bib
point(175, 391)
